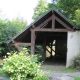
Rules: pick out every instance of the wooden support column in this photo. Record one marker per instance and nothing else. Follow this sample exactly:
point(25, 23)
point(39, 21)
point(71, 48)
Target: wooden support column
point(32, 42)
point(51, 47)
point(48, 50)
point(53, 20)
point(56, 48)
point(44, 53)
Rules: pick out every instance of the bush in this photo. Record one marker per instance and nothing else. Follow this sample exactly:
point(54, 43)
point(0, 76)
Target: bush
point(18, 66)
point(77, 63)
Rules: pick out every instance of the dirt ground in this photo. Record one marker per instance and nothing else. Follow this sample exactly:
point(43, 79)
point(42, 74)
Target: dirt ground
point(57, 67)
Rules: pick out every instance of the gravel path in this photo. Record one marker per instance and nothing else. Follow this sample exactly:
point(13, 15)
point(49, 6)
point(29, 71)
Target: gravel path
point(53, 68)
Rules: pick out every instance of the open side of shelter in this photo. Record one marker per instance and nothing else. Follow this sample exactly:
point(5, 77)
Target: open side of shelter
point(49, 31)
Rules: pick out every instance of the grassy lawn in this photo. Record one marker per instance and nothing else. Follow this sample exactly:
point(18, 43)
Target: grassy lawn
point(66, 70)
point(77, 78)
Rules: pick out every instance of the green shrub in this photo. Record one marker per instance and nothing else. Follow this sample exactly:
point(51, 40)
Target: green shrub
point(18, 66)
point(77, 63)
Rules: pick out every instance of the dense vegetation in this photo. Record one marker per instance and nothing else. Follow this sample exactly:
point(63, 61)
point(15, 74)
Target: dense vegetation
point(17, 66)
point(69, 8)
point(9, 29)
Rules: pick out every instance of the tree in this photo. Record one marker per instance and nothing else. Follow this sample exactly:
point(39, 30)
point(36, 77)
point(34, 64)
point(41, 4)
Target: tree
point(77, 17)
point(9, 29)
point(40, 9)
point(68, 7)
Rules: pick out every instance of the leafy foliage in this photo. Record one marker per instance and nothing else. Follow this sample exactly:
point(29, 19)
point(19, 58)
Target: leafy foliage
point(69, 8)
point(9, 29)
point(18, 66)
point(77, 17)
point(41, 8)
point(76, 63)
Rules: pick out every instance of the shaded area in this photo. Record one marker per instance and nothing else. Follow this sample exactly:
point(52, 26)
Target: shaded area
point(55, 62)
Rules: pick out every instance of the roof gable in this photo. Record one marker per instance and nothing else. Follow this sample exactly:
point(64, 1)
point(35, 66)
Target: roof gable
point(45, 21)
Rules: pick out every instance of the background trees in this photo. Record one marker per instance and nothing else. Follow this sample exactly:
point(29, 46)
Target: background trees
point(69, 8)
point(41, 8)
point(77, 17)
point(9, 29)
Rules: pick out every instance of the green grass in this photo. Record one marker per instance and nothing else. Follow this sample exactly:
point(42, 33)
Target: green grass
point(77, 78)
point(60, 69)
point(68, 70)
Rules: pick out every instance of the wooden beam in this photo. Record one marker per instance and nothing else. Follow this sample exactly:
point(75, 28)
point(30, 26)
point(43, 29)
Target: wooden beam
point(53, 20)
point(48, 50)
point(33, 26)
point(61, 22)
point(43, 23)
point(44, 47)
point(18, 47)
point(32, 42)
point(52, 30)
point(21, 43)
point(51, 47)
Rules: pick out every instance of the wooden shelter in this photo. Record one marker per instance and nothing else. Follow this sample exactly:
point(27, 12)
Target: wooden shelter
point(47, 28)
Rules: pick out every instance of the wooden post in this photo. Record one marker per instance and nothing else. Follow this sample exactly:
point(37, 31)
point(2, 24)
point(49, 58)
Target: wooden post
point(44, 53)
point(51, 47)
point(53, 20)
point(32, 42)
point(56, 48)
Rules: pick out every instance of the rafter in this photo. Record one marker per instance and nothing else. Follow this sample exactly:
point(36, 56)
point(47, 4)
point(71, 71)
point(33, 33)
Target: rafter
point(53, 20)
point(43, 23)
point(61, 22)
point(48, 50)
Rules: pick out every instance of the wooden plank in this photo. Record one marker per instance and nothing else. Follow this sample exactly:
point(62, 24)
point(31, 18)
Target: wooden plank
point(33, 26)
point(43, 23)
point(48, 50)
point(53, 21)
point(21, 43)
point(60, 21)
point(18, 47)
point(51, 48)
point(53, 30)
point(32, 42)
point(44, 47)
